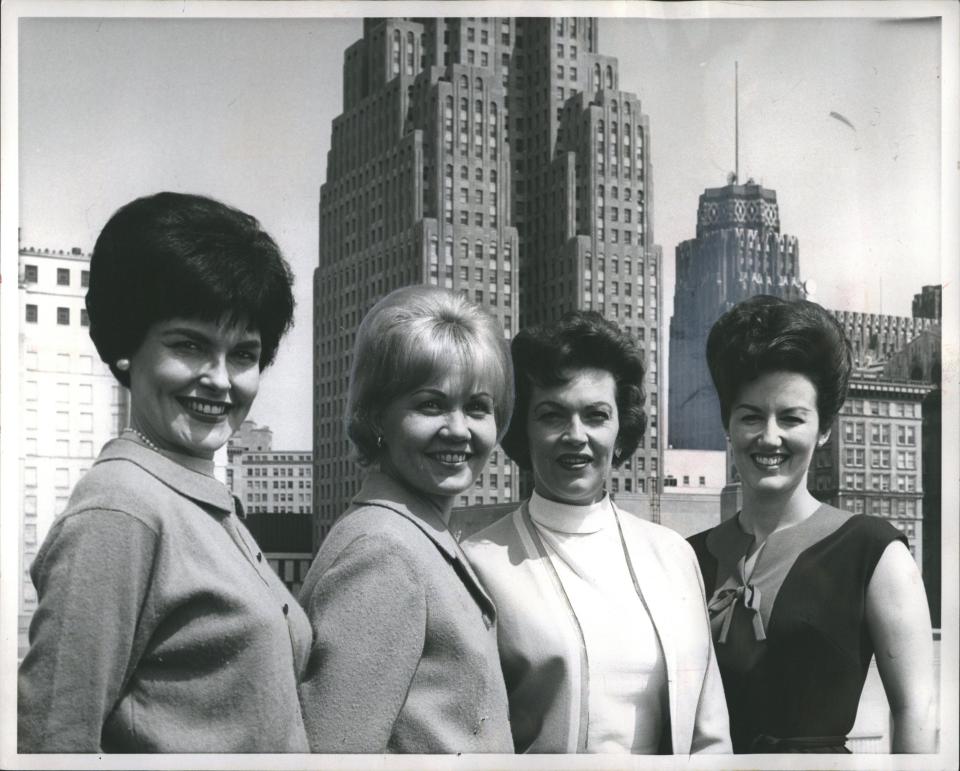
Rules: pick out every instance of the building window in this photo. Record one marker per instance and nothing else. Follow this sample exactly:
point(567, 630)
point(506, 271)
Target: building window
point(31, 314)
point(63, 277)
point(906, 435)
point(30, 274)
point(63, 316)
point(84, 278)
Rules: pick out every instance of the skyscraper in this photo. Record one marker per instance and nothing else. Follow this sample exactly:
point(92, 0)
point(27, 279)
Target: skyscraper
point(738, 252)
point(492, 156)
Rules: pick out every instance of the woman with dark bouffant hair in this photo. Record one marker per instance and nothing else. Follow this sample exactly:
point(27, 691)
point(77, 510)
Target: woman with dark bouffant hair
point(604, 638)
point(802, 593)
point(160, 626)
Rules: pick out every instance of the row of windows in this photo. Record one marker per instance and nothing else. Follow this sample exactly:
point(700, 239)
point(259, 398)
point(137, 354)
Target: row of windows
point(61, 420)
point(856, 458)
point(902, 483)
point(883, 507)
point(61, 477)
point(279, 509)
point(32, 315)
point(282, 484)
point(277, 497)
point(855, 432)
point(82, 392)
point(31, 275)
point(671, 481)
point(278, 471)
point(885, 408)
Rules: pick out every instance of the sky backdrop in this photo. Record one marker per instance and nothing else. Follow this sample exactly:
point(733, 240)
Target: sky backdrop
point(241, 109)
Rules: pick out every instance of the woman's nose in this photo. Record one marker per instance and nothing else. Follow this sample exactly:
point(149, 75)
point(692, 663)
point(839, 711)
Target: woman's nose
point(574, 433)
point(770, 434)
point(215, 374)
point(455, 426)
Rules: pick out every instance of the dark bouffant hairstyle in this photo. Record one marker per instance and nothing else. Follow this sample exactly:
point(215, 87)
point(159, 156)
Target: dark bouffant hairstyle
point(174, 255)
point(768, 334)
point(545, 355)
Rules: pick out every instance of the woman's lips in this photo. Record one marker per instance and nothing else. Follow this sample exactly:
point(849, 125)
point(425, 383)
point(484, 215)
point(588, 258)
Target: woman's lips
point(769, 460)
point(573, 462)
point(205, 409)
point(450, 458)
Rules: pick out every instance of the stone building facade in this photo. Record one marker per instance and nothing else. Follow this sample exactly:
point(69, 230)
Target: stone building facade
point(496, 157)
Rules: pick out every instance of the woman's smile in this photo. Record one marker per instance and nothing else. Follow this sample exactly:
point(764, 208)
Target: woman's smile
point(205, 409)
point(574, 461)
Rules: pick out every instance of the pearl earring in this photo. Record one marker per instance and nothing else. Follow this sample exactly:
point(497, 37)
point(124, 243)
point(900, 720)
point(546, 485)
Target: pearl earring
point(123, 364)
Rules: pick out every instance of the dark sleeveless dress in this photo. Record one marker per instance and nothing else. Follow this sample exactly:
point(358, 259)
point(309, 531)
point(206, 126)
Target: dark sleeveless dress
point(791, 636)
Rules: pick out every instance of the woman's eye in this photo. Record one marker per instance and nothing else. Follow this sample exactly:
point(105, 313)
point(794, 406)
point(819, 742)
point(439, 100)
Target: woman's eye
point(430, 405)
point(480, 407)
point(599, 416)
point(248, 357)
point(186, 345)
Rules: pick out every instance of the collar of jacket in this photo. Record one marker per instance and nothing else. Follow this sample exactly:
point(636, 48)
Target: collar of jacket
point(201, 488)
point(380, 489)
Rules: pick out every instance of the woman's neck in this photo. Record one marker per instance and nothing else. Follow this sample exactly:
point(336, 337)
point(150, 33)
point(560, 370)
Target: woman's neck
point(762, 514)
point(443, 504)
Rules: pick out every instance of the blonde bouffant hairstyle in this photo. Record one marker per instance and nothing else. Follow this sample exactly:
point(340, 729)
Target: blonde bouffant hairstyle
point(413, 335)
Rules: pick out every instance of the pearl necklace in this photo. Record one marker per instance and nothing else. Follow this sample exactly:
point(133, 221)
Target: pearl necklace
point(143, 439)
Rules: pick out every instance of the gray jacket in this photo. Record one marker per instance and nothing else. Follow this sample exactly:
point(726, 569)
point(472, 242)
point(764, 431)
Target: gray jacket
point(158, 629)
point(405, 648)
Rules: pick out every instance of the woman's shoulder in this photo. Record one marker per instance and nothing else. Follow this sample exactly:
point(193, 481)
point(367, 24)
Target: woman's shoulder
point(657, 535)
point(864, 530)
point(122, 487)
point(499, 534)
point(374, 527)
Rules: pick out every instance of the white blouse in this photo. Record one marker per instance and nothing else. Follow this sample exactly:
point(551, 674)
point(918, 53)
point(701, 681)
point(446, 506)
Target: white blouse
point(627, 671)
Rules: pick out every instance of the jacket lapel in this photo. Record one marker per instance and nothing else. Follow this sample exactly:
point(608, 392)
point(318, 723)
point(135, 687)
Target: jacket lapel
point(655, 592)
point(381, 490)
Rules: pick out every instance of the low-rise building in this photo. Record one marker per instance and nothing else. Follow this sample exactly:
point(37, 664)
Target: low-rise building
point(692, 484)
point(71, 404)
point(872, 463)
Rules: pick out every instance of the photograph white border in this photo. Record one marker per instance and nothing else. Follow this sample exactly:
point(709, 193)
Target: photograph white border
point(13, 10)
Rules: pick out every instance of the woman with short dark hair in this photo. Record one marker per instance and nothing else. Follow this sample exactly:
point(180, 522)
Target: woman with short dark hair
point(160, 626)
point(405, 644)
point(802, 593)
point(604, 638)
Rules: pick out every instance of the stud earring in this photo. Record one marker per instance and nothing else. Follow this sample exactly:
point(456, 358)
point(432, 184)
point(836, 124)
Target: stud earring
point(123, 364)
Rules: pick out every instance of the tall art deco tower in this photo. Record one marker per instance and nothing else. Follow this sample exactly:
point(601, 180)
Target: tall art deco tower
point(496, 157)
point(739, 252)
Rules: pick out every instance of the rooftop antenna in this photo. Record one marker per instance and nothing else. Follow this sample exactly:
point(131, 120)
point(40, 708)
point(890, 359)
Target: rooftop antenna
point(736, 121)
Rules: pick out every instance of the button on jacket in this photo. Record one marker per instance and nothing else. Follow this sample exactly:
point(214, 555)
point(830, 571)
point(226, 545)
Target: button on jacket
point(158, 628)
point(405, 647)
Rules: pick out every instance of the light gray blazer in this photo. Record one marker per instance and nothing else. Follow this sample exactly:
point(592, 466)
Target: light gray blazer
point(404, 657)
point(542, 650)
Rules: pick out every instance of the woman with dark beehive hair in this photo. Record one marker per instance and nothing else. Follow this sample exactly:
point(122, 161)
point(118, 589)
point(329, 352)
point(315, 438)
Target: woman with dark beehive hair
point(803, 594)
point(160, 626)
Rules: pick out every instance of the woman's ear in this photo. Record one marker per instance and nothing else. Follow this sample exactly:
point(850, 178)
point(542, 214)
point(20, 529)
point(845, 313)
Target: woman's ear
point(824, 438)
